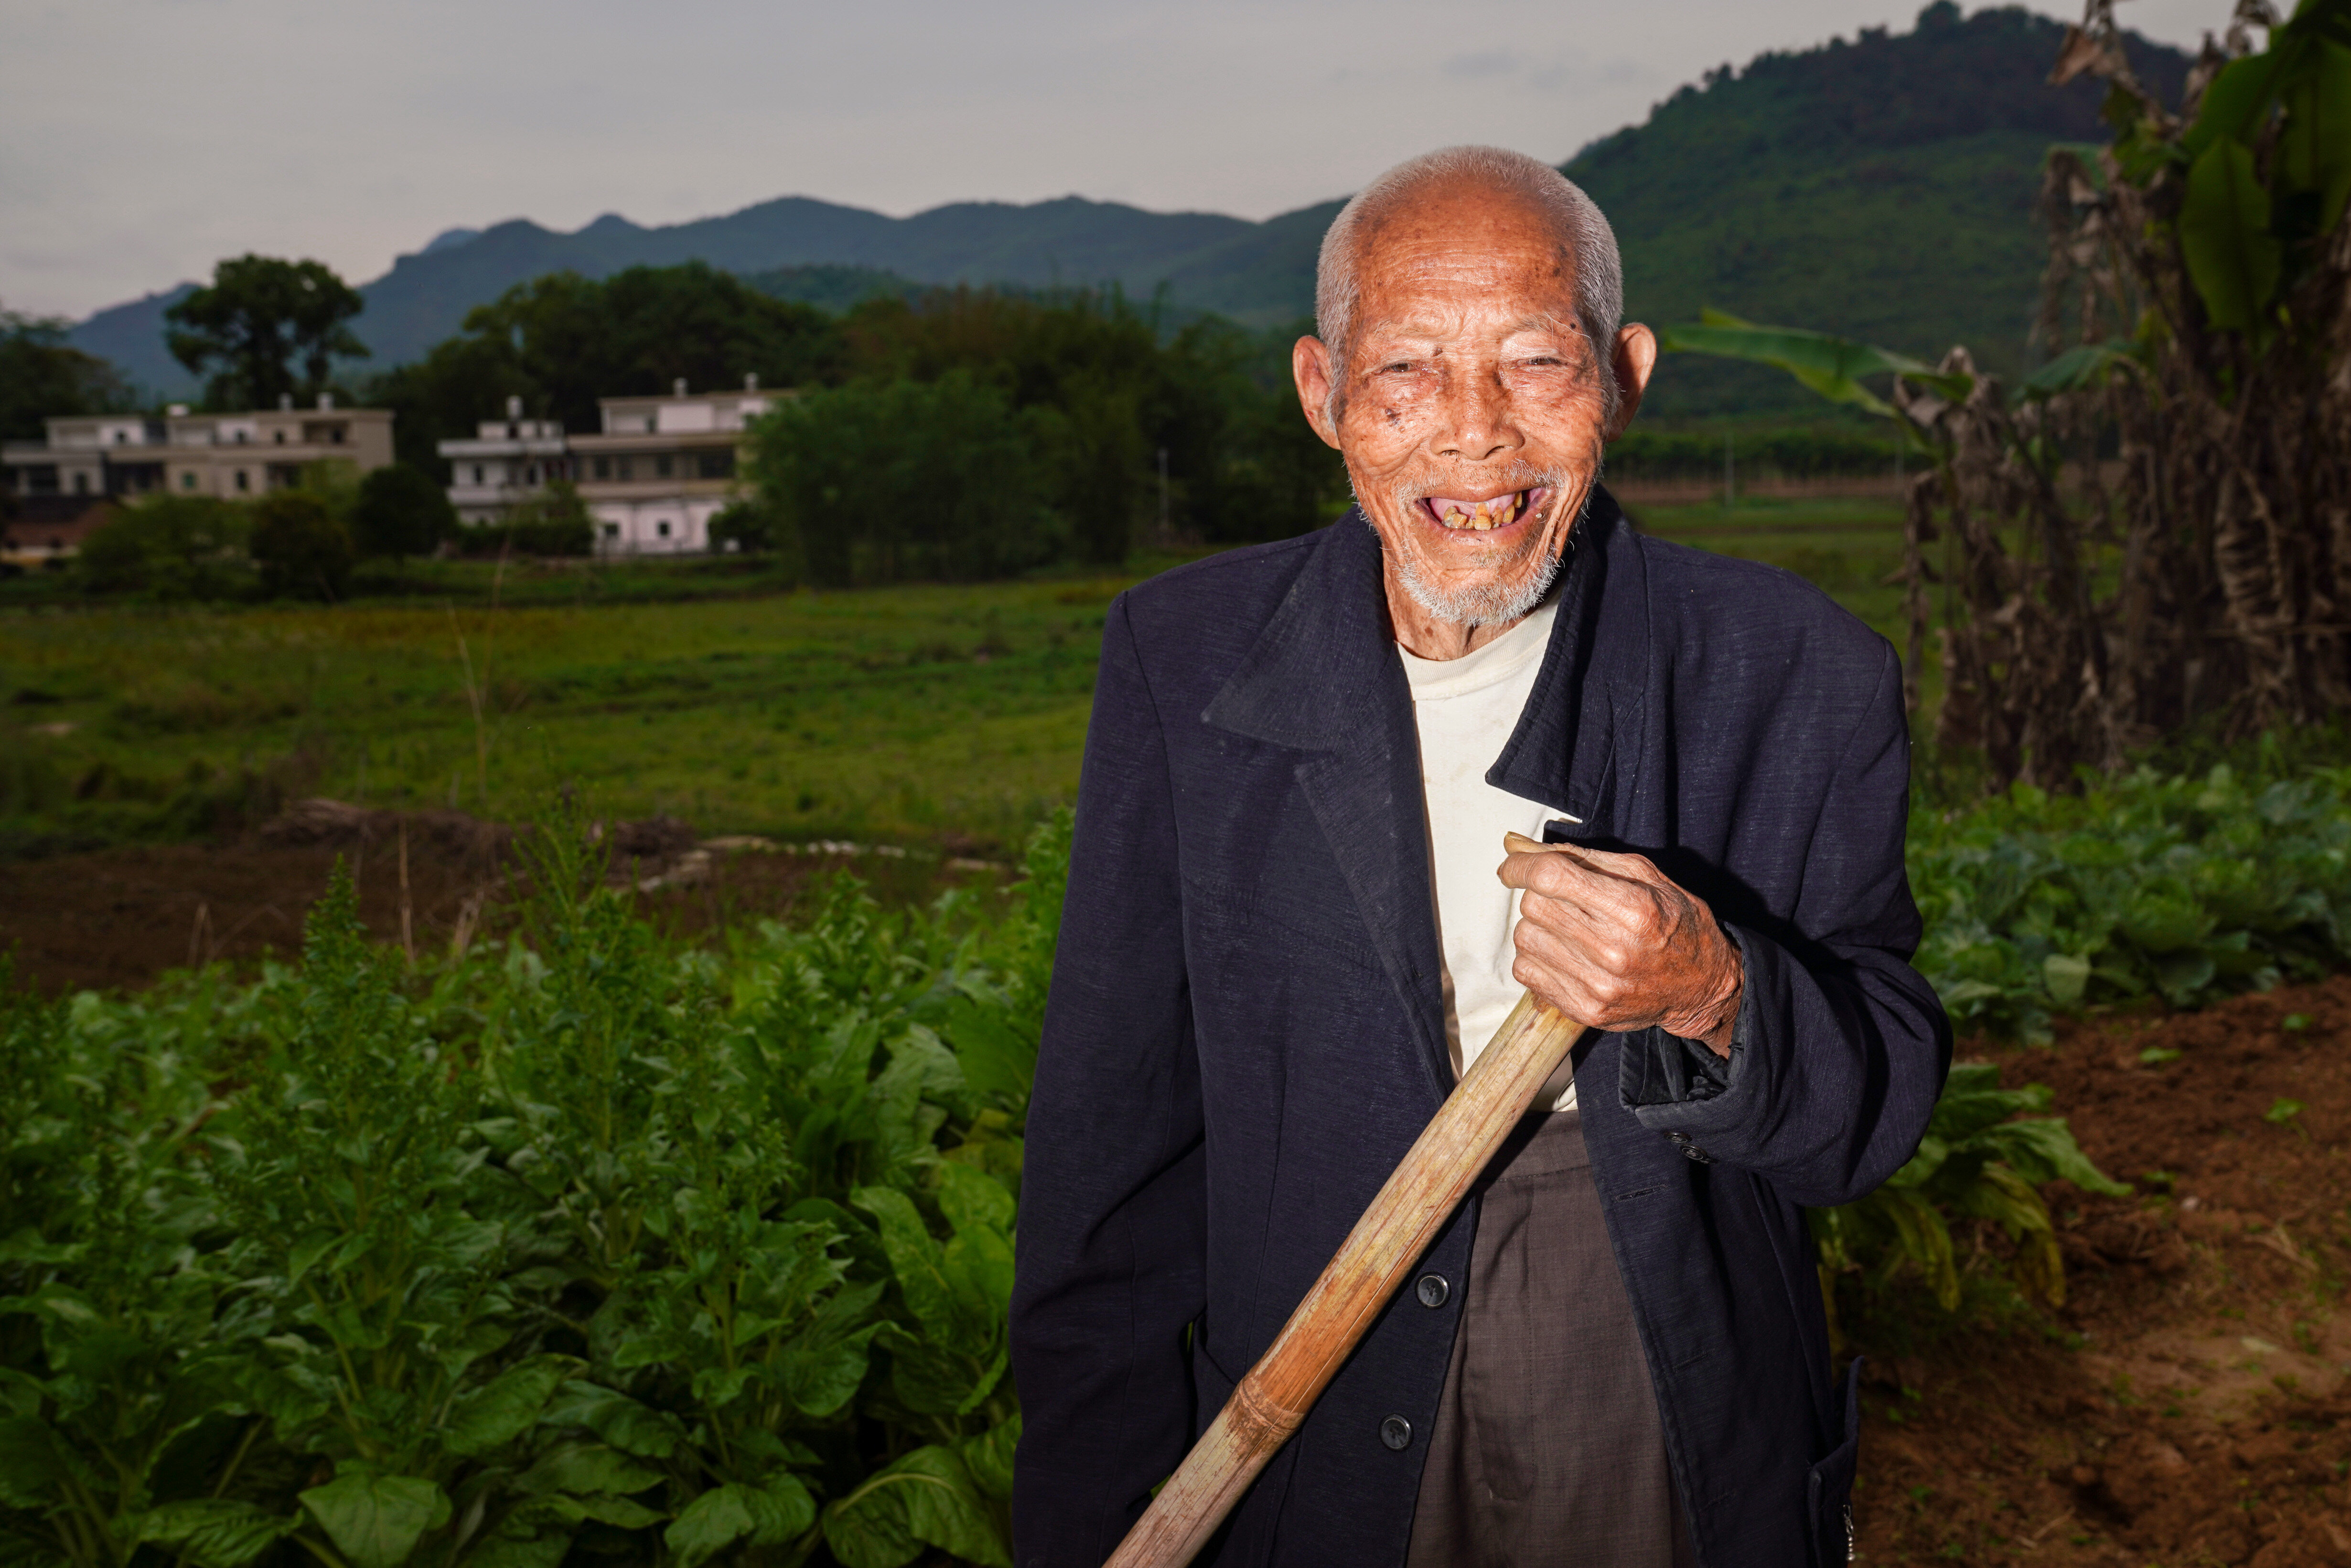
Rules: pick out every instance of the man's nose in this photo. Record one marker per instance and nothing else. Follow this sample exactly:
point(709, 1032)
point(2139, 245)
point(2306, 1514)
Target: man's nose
point(1478, 425)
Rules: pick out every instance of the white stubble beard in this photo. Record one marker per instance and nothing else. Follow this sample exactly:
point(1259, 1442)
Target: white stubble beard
point(1492, 603)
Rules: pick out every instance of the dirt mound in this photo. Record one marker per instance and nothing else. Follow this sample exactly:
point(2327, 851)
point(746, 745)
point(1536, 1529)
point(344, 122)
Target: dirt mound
point(655, 841)
point(119, 919)
point(322, 823)
point(2191, 1404)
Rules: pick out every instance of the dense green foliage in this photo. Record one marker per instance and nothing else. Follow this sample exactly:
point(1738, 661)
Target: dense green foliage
point(579, 1242)
point(2249, 233)
point(1879, 188)
point(907, 479)
point(42, 376)
point(985, 431)
point(400, 512)
point(2175, 887)
point(264, 329)
point(300, 549)
point(170, 547)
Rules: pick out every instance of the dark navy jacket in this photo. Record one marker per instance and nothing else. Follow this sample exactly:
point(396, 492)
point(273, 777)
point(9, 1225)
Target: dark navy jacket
point(1246, 1031)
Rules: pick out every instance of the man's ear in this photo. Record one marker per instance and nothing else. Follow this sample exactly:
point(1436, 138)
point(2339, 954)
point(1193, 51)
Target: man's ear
point(1633, 360)
point(1310, 366)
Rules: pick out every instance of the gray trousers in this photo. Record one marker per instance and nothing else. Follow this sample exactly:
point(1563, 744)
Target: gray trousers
point(1547, 1447)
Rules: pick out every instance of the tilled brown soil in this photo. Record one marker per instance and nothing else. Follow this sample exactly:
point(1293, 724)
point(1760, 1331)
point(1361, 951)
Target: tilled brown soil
point(118, 920)
point(2191, 1404)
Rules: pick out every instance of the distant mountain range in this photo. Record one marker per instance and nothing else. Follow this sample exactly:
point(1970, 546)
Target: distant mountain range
point(1881, 187)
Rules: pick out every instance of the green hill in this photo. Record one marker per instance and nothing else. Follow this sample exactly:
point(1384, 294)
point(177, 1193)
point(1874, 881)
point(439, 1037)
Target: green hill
point(1881, 186)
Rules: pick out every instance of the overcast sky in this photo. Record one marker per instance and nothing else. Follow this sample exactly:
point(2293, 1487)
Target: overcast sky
point(142, 139)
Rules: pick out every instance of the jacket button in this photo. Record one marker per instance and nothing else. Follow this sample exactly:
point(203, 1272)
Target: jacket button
point(1432, 1289)
point(1396, 1432)
point(1689, 1149)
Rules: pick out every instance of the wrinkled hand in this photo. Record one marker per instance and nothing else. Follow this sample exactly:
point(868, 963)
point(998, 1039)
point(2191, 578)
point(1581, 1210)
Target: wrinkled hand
point(1612, 943)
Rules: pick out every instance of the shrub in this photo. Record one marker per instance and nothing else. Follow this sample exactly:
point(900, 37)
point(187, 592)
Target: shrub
point(301, 551)
point(169, 547)
point(2174, 887)
point(401, 511)
point(580, 1242)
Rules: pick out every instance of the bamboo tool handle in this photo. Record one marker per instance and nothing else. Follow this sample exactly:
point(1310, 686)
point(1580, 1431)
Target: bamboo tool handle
point(1420, 1195)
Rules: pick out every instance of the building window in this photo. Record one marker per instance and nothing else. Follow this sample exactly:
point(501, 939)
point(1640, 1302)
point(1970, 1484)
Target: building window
point(242, 483)
point(662, 466)
point(530, 474)
point(661, 529)
point(81, 484)
point(716, 465)
point(612, 530)
point(244, 436)
point(187, 482)
point(280, 435)
point(603, 468)
point(628, 468)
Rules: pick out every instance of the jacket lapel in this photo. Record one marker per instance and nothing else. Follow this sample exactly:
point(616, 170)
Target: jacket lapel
point(1323, 678)
point(1578, 744)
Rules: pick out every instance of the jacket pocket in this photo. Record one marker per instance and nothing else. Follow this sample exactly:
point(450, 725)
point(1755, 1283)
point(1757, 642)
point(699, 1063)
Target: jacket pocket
point(1829, 1484)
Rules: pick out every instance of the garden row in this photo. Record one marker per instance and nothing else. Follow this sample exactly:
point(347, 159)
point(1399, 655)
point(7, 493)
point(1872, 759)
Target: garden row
point(579, 1248)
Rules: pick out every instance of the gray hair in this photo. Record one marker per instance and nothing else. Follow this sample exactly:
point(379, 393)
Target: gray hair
point(1599, 275)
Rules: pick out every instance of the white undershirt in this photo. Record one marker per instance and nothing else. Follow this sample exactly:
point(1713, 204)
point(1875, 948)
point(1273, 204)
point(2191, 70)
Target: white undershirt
point(1466, 709)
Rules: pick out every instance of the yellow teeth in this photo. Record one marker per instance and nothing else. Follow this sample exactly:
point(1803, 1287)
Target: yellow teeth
point(1489, 515)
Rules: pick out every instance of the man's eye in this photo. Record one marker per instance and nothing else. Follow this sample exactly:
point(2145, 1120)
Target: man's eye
point(1400, 368)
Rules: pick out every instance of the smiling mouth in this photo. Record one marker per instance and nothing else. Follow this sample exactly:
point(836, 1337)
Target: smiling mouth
point(1483, 516)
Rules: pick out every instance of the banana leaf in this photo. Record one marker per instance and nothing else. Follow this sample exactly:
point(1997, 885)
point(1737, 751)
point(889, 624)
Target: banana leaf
point(1828, 365)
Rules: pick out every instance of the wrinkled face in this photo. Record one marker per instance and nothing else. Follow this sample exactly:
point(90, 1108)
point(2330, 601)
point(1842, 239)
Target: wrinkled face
point(1471, 408)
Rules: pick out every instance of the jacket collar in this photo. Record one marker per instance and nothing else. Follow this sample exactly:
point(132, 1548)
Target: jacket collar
point(1323, 675)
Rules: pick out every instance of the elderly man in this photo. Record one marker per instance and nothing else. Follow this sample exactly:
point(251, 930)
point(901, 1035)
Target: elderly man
point(1286, 936)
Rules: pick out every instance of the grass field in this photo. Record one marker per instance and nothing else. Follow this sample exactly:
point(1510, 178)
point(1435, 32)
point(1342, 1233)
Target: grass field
point(943, 715)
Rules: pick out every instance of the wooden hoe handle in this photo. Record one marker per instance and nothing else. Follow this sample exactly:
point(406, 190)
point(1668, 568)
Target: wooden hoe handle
point(1269, 1404)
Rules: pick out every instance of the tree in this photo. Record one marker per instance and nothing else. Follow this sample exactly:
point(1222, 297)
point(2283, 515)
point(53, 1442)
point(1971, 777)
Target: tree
point(401, 512)
point(42, 375)
point(261, 318)
point(302, 551)
point(906, 479)
point(562, 341)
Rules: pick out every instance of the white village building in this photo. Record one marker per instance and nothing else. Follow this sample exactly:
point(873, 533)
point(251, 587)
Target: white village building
point(652, 478)
point(236, 456)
